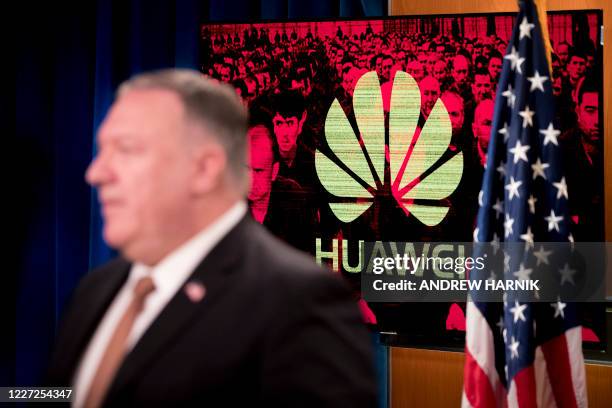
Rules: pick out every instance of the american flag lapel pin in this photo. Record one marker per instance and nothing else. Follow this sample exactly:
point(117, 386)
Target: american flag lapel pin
point(195, 291)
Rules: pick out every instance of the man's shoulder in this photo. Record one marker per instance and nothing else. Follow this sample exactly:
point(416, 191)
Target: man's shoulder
point(274, 263)
point(116, 268)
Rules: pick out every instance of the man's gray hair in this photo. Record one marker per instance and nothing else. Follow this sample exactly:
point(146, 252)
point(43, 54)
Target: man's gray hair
point(212, 104)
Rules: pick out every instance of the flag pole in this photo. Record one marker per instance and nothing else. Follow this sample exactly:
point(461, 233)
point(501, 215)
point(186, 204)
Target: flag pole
point(542, 17)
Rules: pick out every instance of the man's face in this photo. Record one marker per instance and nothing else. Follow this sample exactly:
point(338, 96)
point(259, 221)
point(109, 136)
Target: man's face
point(303, 85)
point(481, 87)
point(143, 171)
point(262, 166)
point(405, 44)
point(349, 79)
point(495, 66)
point(454, 106)
point(588, 116)
point(563, 53)
point(379, 62)
point(286, 131)
point(430, 92)
point(590, 61)
point(415, 69)
point(460, 69)
point(576, 67)
point(431, 61)
point(339, 55)
point(482, 124)
point(226, 74)
point(362, 62)
point(557, 85)
point(439, 71)
point(386, 68)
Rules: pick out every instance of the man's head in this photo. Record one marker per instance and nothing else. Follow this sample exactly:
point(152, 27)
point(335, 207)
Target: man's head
point(263, 158)
point(349, 79)
point(483, 117)
point(226, 72)
point(460, 70)
point(439, 70)
point(415, 69)
point(431, 62)
point(587, 111)
point(387, 64)
point(495, 65)
point(430, 92)
point(171, 158)
point(454, 105)
point(563, 50)
point(288, 120)
point(576, 66)
point(481, 88)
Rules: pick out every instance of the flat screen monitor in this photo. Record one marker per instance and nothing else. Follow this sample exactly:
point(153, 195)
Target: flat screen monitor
point(299, 78)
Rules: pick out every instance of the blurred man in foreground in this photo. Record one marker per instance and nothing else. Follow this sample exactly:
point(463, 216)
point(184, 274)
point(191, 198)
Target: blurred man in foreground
point(203, 307)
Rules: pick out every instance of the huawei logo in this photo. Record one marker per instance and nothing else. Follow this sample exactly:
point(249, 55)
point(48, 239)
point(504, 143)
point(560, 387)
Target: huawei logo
point(418, 179)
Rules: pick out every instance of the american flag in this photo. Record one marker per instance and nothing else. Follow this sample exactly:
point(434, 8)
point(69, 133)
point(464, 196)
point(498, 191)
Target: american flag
point(523, 354)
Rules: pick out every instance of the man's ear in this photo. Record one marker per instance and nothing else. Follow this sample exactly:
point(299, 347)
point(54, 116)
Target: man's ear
point(302, 120)
point(275, 168)
point(210, 168)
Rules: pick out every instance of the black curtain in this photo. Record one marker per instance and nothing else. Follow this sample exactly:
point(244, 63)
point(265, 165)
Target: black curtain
point(70, 57)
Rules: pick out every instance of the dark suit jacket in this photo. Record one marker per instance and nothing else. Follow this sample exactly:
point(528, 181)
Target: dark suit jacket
point(272, 330)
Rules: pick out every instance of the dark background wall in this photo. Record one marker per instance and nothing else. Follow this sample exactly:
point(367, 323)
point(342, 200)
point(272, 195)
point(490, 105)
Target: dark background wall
point(69, 60)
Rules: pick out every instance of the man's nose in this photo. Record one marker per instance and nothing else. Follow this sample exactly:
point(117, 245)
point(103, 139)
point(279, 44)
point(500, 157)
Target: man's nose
point(98, 171)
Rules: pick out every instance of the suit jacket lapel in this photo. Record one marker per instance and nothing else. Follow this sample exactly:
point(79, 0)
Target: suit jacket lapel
point(84, 321)
point(212, 273)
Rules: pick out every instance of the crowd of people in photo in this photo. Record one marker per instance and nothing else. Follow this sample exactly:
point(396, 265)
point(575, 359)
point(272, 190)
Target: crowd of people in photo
point(290, 79)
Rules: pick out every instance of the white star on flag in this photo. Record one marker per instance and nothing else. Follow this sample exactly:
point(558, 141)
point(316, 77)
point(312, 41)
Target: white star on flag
point(537, 82)
point(523, 273)
point(528, 237)
point(550, 135)
point(553, 221)
point(513, 187)
point(527, 116)
point(542, 256)
point(517, 311)
point(532, 201)
point(538, 169)
point(514, 345)
point(502, 170)
point(499, 207)
point(567, 274)
point(515, 60)
point(495, 243)
point(505, 131)
point(525, 28)
point(509, 94)
point(508, 226)
point(559, 306)
point(500, 324)
point(520, 152)
point(561, 186)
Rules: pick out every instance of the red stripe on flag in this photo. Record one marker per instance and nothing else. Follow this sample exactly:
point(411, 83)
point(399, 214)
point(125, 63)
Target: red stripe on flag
point(478, 389)
point(526, 387)
point(559, 371)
